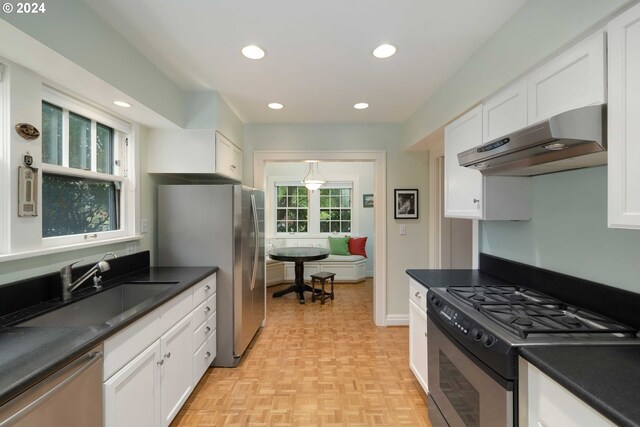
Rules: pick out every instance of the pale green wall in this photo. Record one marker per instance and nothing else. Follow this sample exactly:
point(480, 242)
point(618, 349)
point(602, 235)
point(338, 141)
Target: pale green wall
point(76, 31)
point(535, 31)
point(404, 170)
point(568, 232)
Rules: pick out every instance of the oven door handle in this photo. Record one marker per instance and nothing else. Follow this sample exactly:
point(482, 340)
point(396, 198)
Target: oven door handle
point(504, 383)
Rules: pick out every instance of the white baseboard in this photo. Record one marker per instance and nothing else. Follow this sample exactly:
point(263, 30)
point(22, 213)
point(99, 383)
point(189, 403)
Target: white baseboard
point(397, 320)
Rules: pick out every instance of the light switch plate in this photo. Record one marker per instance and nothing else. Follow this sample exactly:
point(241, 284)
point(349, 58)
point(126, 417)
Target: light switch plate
point(144, 225)
point(403, 230)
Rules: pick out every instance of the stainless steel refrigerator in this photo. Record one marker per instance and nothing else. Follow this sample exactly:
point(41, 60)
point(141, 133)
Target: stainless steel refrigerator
point(219, 225)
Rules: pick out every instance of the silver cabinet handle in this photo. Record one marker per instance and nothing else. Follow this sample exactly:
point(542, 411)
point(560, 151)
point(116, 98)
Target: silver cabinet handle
point(168, 355)
point(207, 330)
point(160, 362)
point(418, 295)
point(207, 309)
point(207, 288)
point(476, 200)
point(207, 355)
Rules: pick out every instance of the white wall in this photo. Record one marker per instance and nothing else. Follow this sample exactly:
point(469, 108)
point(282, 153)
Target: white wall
point(404, 170)
point(332, 171)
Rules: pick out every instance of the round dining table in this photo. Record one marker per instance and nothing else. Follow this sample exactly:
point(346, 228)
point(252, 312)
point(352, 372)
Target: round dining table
point(297, 255)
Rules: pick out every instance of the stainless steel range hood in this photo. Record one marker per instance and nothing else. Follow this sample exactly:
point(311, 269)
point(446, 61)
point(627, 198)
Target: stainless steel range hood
point(571, 140)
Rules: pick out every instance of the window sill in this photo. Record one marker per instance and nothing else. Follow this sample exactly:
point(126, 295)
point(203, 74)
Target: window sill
point(66, 248)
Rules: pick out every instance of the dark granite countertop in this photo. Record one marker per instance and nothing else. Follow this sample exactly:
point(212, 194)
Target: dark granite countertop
point(444, 278)
point(30, 354)
point(607, 378)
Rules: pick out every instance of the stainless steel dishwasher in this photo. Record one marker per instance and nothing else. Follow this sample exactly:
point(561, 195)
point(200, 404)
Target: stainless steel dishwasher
point(70, 397)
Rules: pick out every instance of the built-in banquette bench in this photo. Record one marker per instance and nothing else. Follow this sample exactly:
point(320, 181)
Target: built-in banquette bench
point(348, 268)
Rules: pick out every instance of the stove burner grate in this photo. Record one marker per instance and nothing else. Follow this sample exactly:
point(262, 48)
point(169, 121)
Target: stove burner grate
point(525, 312)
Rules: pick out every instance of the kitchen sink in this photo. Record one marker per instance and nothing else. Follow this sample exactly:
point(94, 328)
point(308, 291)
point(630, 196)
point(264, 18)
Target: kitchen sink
point(99, 308)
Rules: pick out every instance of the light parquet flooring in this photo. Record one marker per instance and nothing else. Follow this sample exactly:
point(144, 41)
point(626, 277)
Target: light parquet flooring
point(315, 365)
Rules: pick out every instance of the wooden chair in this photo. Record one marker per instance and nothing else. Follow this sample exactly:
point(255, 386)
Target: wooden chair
point(321, 293)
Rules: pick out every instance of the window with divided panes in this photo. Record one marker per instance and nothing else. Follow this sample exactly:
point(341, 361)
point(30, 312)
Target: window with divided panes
point(81, 182)
point(327, 210)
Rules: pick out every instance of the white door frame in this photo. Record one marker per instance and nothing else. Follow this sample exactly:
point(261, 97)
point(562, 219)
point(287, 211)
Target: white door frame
point(379, 159)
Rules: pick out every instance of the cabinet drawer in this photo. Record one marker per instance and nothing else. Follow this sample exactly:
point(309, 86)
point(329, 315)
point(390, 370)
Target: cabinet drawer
point(418, 294)
point(203, 357)
point(204, 311)
point(176, 309)
point(204, 290)
point(128, 343)
point(204, 331)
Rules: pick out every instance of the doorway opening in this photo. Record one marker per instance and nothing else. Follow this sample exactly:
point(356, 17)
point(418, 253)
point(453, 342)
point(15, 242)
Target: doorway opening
point(378, 160)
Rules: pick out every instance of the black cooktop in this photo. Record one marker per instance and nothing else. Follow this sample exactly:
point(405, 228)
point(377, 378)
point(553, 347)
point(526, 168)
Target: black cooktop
point(524, 312)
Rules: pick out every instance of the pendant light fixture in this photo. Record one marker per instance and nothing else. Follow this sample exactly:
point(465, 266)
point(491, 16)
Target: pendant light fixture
point(313, 180)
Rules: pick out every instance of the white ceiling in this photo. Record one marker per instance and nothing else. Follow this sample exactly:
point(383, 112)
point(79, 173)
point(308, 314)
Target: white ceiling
point(319, 60)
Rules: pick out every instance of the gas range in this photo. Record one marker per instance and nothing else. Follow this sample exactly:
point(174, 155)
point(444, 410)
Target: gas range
point(473, 337)
point(495, 320)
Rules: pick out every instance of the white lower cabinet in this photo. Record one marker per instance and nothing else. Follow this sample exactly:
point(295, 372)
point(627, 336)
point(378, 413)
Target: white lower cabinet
point(545, 403)
point(176, 383)
point(153, 365)
point(418, 332)
point(132, 395)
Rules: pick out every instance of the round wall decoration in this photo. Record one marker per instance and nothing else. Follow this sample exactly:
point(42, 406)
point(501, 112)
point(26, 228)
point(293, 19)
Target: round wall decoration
point(27, 131)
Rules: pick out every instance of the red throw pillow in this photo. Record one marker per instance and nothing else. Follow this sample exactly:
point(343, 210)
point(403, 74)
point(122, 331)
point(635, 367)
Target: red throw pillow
point(357, 246)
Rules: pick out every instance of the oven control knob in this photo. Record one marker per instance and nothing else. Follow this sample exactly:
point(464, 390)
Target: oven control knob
point(488, 340)
point(436, 302)
point(477, 334)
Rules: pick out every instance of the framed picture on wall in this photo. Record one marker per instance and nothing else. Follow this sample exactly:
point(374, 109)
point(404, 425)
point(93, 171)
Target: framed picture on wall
point(367, 200)
point(406, 204)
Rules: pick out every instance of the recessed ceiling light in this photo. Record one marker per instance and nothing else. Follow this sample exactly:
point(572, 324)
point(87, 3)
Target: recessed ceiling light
point(384, 51)
point(253, 52)
point(275, 106)
point(361, 106)
point(122, 104)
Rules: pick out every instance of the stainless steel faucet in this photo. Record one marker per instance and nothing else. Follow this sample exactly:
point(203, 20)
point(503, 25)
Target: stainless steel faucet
point(65, 276)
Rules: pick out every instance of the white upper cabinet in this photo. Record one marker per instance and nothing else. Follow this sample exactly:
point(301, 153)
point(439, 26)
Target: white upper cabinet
point(470, 195)
point(505, 111)
point(624, 120)
point(463, 186)
point(228, 158)
point(574, 79)
point(193, 152)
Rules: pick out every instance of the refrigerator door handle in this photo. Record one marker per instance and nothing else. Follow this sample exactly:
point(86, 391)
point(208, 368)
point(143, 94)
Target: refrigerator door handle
point(256, 230)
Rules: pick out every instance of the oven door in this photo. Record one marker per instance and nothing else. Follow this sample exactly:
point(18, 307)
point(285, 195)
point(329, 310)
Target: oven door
point(464, 394)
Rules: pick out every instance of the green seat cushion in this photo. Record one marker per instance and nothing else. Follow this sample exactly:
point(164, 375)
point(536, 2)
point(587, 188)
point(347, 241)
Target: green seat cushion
point(339, 245)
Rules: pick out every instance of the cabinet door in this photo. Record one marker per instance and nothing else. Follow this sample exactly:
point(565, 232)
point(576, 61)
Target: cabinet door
point(132, 395)
point(463, 186)
point(223, 155)
point(505, 112)
point(236, 163)
point(574, 79)
point(176, 373)
point(551, 405)
point(623, 123)
point(418, 344)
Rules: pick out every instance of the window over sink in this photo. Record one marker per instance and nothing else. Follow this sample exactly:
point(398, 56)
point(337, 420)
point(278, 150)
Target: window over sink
point(85, 177)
